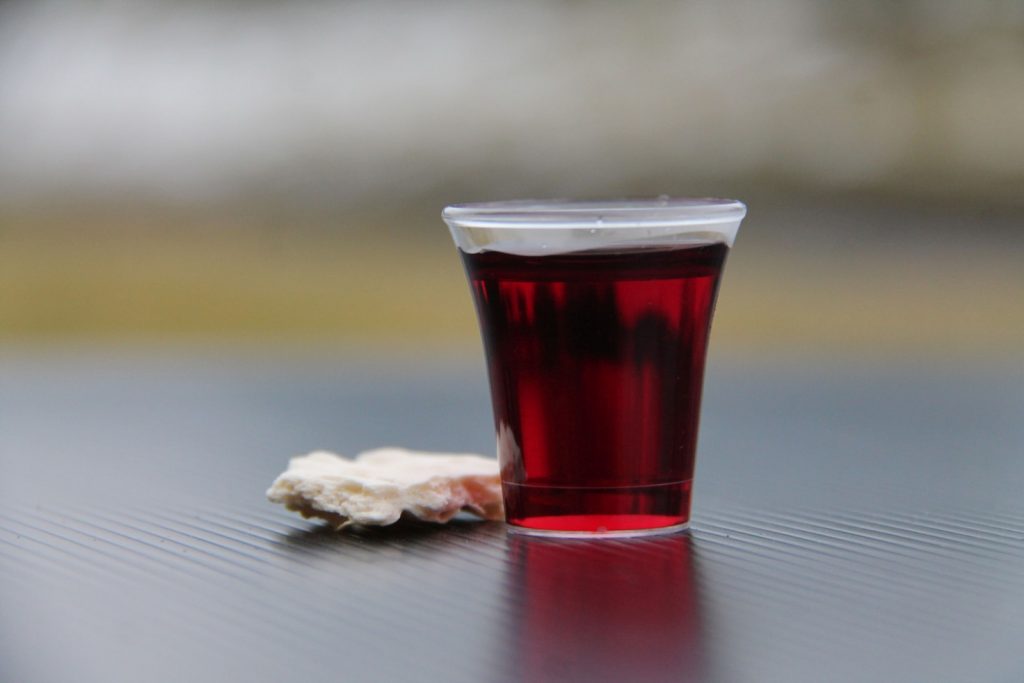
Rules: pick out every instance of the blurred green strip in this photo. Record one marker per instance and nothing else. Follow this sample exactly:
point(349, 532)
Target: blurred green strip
point(65, 287)
point(146, 286)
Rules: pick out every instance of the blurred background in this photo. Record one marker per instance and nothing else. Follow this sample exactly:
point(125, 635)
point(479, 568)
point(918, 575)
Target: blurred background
point(221, 245)
point(270, 175)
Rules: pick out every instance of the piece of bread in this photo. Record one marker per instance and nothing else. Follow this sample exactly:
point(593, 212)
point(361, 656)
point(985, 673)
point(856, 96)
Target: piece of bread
point(378, 486)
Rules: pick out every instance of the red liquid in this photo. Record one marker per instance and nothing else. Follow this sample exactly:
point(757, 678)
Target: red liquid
point(597, 612)
point(596, 363)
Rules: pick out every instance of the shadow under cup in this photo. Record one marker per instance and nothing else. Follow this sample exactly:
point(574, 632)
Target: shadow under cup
point(595, 319)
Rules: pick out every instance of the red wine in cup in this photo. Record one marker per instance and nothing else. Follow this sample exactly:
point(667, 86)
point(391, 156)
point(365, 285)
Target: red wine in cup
point(596, 364)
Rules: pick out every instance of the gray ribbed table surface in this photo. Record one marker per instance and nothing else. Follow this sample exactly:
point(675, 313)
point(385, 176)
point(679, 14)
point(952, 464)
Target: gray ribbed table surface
point(853, 522)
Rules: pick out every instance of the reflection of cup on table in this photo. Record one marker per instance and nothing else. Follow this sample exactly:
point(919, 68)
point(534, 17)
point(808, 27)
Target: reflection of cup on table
point(595, 320)
point(593, 611)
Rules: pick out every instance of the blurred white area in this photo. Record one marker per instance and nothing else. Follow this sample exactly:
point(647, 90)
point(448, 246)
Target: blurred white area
point(356, 101)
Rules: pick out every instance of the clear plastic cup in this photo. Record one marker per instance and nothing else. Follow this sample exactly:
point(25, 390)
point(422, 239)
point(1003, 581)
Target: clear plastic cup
point(595, 319)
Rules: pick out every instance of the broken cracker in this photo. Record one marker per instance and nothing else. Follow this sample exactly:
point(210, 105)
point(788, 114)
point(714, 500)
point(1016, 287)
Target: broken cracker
point(377, 486)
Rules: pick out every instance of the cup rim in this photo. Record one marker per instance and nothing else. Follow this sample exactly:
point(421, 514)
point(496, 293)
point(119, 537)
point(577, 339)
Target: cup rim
point(595, 214)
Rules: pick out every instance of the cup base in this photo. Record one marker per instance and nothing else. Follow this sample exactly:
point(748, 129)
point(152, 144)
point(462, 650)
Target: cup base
point(519, 529)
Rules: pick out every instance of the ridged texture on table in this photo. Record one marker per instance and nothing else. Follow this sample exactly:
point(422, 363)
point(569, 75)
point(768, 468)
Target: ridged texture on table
point(762, 595)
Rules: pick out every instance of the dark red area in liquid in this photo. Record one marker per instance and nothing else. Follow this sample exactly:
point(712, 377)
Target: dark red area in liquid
point(596, 363)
